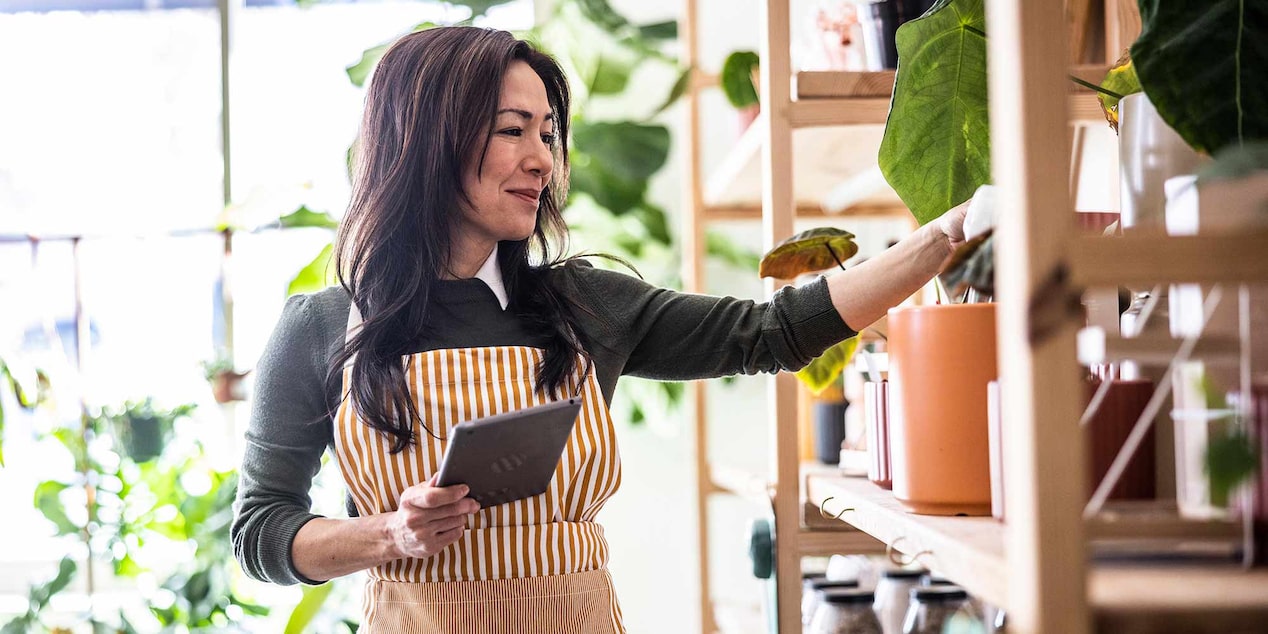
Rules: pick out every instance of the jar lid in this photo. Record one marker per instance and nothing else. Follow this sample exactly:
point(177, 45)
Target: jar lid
point(848, 595)
point(824, 583)
point(931, 594)
point(931, 580)
point(904, 573)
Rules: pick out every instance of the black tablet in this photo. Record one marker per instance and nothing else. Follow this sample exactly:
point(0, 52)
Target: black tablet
point(509, 456)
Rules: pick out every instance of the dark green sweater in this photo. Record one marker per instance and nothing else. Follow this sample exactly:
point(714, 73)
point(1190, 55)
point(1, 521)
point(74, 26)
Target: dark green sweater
point(626, 325)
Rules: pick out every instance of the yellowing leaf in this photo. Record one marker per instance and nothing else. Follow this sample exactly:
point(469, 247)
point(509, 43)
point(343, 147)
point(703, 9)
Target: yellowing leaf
point(824, 370)
point(1121, 80)
point(807, 252)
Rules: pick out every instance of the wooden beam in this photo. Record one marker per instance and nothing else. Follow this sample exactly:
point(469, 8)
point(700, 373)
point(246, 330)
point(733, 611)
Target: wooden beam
point(1122, 27)
point(1039, 385)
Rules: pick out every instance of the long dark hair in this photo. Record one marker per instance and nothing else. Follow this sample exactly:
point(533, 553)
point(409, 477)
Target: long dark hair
point(431, 105)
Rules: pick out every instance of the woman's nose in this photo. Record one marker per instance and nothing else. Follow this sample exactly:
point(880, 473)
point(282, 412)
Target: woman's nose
point(541, 159)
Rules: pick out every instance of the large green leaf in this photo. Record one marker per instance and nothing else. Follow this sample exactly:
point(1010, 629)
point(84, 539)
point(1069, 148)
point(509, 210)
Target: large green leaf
point(308, 607)
point(305, 217)
point(809, 251)
point(317, 275)
point(617, 161)
point(1236, 162)
point(1203, 65)
point(824, 369)
point(937, 150)
point(611, 75)
point(737, 78)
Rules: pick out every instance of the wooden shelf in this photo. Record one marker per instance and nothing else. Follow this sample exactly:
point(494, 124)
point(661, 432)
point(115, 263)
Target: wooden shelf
point(736, 183)
point(1125, 598)
point(1146, 259)
point(837, 84)
point(1097, 347)
point(968, 550)
point(735, 481)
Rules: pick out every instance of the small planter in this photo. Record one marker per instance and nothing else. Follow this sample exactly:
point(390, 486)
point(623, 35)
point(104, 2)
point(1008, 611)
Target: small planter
point(142, 438)
point(228, 386)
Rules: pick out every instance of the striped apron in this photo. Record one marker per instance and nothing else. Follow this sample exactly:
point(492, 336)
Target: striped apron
point(535, 565)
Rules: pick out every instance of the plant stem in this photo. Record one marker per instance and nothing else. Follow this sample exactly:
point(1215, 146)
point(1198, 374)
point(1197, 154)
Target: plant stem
point(834, 255)
point(1091, 86)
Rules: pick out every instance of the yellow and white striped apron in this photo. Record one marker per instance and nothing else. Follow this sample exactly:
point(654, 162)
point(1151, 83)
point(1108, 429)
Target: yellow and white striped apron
point(535, 565)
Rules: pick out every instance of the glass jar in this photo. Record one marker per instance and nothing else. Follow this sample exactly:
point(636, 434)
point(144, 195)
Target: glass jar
point(845, 611)
point(932, 607)
point(893, 592)
point(811, 588)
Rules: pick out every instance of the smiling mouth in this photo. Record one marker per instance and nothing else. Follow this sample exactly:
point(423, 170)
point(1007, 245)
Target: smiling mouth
point(525, 195)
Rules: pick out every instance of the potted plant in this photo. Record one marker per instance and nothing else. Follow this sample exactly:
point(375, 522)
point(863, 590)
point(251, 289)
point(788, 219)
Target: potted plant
point(227, 384)
point(810, 252)
point(142, 430)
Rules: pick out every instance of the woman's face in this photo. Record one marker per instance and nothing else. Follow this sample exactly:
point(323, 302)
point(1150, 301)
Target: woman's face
point(503, 194)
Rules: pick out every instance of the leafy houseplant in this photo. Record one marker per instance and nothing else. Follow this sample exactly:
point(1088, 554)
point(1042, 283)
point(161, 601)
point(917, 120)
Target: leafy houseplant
point(227, 384)
point(170, 500)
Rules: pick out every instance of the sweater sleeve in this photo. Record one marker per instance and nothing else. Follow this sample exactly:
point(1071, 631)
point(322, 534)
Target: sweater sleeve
point(669, 335)
point(290, 428)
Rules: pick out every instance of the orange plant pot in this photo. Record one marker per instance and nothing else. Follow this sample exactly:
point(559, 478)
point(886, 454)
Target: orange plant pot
point(941, 359)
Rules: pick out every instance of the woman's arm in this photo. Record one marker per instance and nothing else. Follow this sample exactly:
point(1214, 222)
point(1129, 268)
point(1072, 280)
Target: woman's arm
point(862, 294)
point(429, 519)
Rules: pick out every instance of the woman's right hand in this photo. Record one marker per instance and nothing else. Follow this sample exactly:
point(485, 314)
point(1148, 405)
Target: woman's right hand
point(429, 518)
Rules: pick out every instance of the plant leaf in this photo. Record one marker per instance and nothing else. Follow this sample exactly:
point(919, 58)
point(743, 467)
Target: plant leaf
point(824, 369)
point(611, 75)
point(1202, 65)
point(1230, 460)
point(316, 275)
point(305, 217)
point(1120, 79)
point(675, 93)
point(48, 500)
point(618, 160)
point(308, 607)
point(667, 30)
point(360, 71)
point(737, 78)
point(936, 150)
point(809, 251)
point(972, 265)
point(724, 248)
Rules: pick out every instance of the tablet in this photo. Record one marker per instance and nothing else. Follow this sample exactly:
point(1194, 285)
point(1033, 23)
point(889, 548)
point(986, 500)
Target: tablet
point(509, 456)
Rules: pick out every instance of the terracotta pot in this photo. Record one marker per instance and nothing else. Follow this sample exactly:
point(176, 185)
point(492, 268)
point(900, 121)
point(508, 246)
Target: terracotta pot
point(941, 359)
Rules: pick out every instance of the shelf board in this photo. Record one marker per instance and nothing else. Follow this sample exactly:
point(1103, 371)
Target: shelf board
point(1095, 346)
point(809, 85)
point(825, 543)
point(825, 158)
point(970, 551)
point(838, 84)
point(735, 481)
point(1146, 259)
point(1083, 108)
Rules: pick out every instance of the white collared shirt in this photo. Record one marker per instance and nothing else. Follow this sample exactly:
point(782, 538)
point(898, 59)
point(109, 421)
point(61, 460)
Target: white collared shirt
point(491, 274)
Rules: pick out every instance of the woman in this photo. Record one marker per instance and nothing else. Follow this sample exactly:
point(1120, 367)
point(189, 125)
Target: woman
point(452, 307)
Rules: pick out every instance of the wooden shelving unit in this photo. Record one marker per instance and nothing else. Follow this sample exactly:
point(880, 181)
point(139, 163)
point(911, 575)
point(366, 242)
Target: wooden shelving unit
point(1037, 565)
point(971, 551)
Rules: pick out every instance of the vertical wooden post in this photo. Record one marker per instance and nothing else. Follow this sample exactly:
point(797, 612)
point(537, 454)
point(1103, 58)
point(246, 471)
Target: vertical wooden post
point(1122, 27)
point(693, 249)
point(778, 209)
point(1029, 154)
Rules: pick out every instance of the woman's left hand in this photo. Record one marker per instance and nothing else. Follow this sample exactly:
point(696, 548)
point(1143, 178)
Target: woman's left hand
point(951, 224)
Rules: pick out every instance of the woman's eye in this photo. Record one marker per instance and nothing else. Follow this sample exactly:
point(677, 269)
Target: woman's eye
point(513, 131)
point(548, 139)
